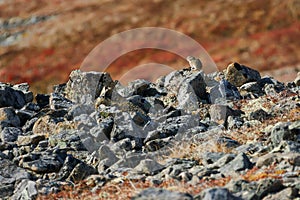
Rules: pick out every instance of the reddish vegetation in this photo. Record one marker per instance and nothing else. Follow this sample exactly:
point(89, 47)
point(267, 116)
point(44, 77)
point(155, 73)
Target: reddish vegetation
point(261, 34)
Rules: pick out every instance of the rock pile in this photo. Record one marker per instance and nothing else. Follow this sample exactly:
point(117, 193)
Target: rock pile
point(187, 127)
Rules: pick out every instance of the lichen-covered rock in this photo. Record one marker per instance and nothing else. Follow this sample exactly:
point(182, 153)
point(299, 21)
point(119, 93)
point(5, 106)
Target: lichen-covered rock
point(238, 74)
point(85, 87)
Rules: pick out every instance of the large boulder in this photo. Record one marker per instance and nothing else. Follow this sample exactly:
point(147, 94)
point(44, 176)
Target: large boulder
point(85, 87)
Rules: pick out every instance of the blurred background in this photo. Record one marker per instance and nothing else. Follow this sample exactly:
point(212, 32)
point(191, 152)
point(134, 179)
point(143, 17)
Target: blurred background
point(41, 41)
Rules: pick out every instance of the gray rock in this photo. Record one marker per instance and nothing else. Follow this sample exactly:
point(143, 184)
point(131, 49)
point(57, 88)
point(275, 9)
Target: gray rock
point(24, 87)
point(24, 140)
point(227, 142)
point(107, 158)
point(286, 146)
point(140, 118)
point(287, 193)
point(10, 170)
point(9, 117)
point(220, 113)
point(68, 138)
point(268, 186)
point(211, 157)
point(26, 190)
point(297, 79)
point(44, 164)
point(139, 101)
point(243, 189)
point(6, 190)
point(270, 85)
point(252, 89)
point(216, 194)
point(10, 134)
point(238, 74)
point(157, 144)
point(161, 194)
point(66, 169)
point(79, 109)
point(24, 115)
point(285, 131)
point(105, 152)
point(128, 161)
point(124, 126)
point(138, 87)
point(85, 87)
point(102, 131)
point(149, 167)
point(81, 171)
point(222, 161)
point(222, 92)
point(172, 80)
point(239, 163)
point(57, 101)
point(191, 91)
point(11, 97)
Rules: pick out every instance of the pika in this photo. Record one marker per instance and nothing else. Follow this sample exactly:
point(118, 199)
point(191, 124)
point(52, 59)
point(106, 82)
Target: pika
point(195, 63)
